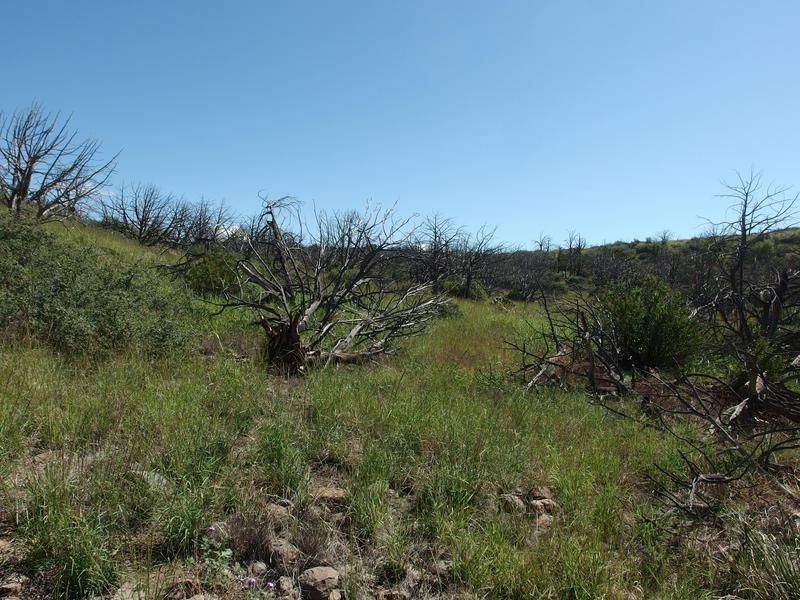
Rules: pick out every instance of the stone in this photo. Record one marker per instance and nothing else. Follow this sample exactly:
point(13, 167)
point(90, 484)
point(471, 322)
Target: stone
point(283, 553)
point(512, 503)
point(540, 492)
point(129, 591)
point(317, 582)
point(6, 547)
point(330, 495)
point(545, 505)
point(335, 595)
point(393, 595)
point(183, 588)
point(257, 568)
point(544, 522)
point(10, 589)
point(285, 584)
point(277, 514)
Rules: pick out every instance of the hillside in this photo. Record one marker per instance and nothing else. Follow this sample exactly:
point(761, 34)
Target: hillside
point(427, 474)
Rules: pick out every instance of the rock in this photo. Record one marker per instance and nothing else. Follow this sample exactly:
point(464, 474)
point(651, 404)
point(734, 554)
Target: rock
point(6, 547)
point(544, 505)
point(512, 503)
point(330, 495)
point(184, 588)
point(317, 582)
point(393, 595)
point(335, 595)
point(544, 522)
point(129, 591)
point(156, 481)
point(283, 553)
point(204, 597)
point(540, 492)
point(277, 514)
point(10, 589)
point(257, 569)
point(285, 584)
point(441, 567)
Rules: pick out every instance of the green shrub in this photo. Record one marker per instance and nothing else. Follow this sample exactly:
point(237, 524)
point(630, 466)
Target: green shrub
point(82, 300)
point(653, 325)
point(209, 271)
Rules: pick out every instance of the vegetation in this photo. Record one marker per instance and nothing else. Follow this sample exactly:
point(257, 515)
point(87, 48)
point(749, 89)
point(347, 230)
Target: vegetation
point(155, 443)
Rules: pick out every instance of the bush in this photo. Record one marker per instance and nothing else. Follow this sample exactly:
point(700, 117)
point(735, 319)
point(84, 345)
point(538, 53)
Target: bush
point(652, 324)
point(82, 300)
point(209, 270)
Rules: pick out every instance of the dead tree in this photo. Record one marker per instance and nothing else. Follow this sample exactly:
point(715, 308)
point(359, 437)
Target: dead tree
point(754, 311)
point(475, 254)
point(325, 295)
point(433, 249)
point(45, 167)
point(146, 214)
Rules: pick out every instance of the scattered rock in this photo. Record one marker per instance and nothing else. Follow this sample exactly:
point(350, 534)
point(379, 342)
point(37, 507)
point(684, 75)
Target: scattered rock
point(257, 569)
point(283, 553)
point(545, 505)
point(156, 481)
point(512, 503)
point(540, 492)
point(335, 595)
point(285, 584)
point(544, 522)
point(184, 588)
point(277, 513)
point(10, 589)
point(12, 586)
point(318, 582)
point(441, 567)
point(393, 595)
point(129, 591)
point(6, 547)
point(330, 495)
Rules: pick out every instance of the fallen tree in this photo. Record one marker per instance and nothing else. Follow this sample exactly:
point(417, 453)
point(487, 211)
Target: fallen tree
point(328, 294)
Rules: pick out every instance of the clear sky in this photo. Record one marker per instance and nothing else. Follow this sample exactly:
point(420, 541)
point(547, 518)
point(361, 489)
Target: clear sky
point(615, 119)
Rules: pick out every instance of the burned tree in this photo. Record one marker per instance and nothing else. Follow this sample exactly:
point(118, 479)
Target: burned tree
point(325, 295)
point(145, 213)
point(44, 167)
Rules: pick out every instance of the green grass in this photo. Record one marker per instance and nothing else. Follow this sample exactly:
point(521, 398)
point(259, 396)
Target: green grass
point(104, 462)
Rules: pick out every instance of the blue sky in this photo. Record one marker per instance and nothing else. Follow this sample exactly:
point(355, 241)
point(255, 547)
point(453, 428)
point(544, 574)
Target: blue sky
point(614, 119)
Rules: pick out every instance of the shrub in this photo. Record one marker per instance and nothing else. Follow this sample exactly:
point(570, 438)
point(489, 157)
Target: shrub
point(209, 270)
point(83, 300)
point(653, 325)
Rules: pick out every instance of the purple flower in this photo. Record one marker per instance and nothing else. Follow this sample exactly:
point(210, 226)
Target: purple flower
point(251, 580)
point(270, 584)
point(212, 528)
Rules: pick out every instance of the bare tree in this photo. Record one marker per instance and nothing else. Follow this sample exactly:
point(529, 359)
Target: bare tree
point(43, 165)
point(146, 214)
point(206, 222)
point(433, 248)
point(325, 296)
point(475, 253)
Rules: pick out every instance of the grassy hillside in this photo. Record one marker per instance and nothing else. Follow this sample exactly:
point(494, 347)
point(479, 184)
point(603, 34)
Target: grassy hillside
point(427, 474)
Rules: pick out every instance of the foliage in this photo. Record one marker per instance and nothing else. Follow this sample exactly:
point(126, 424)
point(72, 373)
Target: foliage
point(79, 299)
point(652, 324)
point(209, 269)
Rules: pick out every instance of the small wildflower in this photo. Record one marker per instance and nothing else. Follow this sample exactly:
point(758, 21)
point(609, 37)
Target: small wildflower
point(251, 580)
point(212, 528)
point(270, 584)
